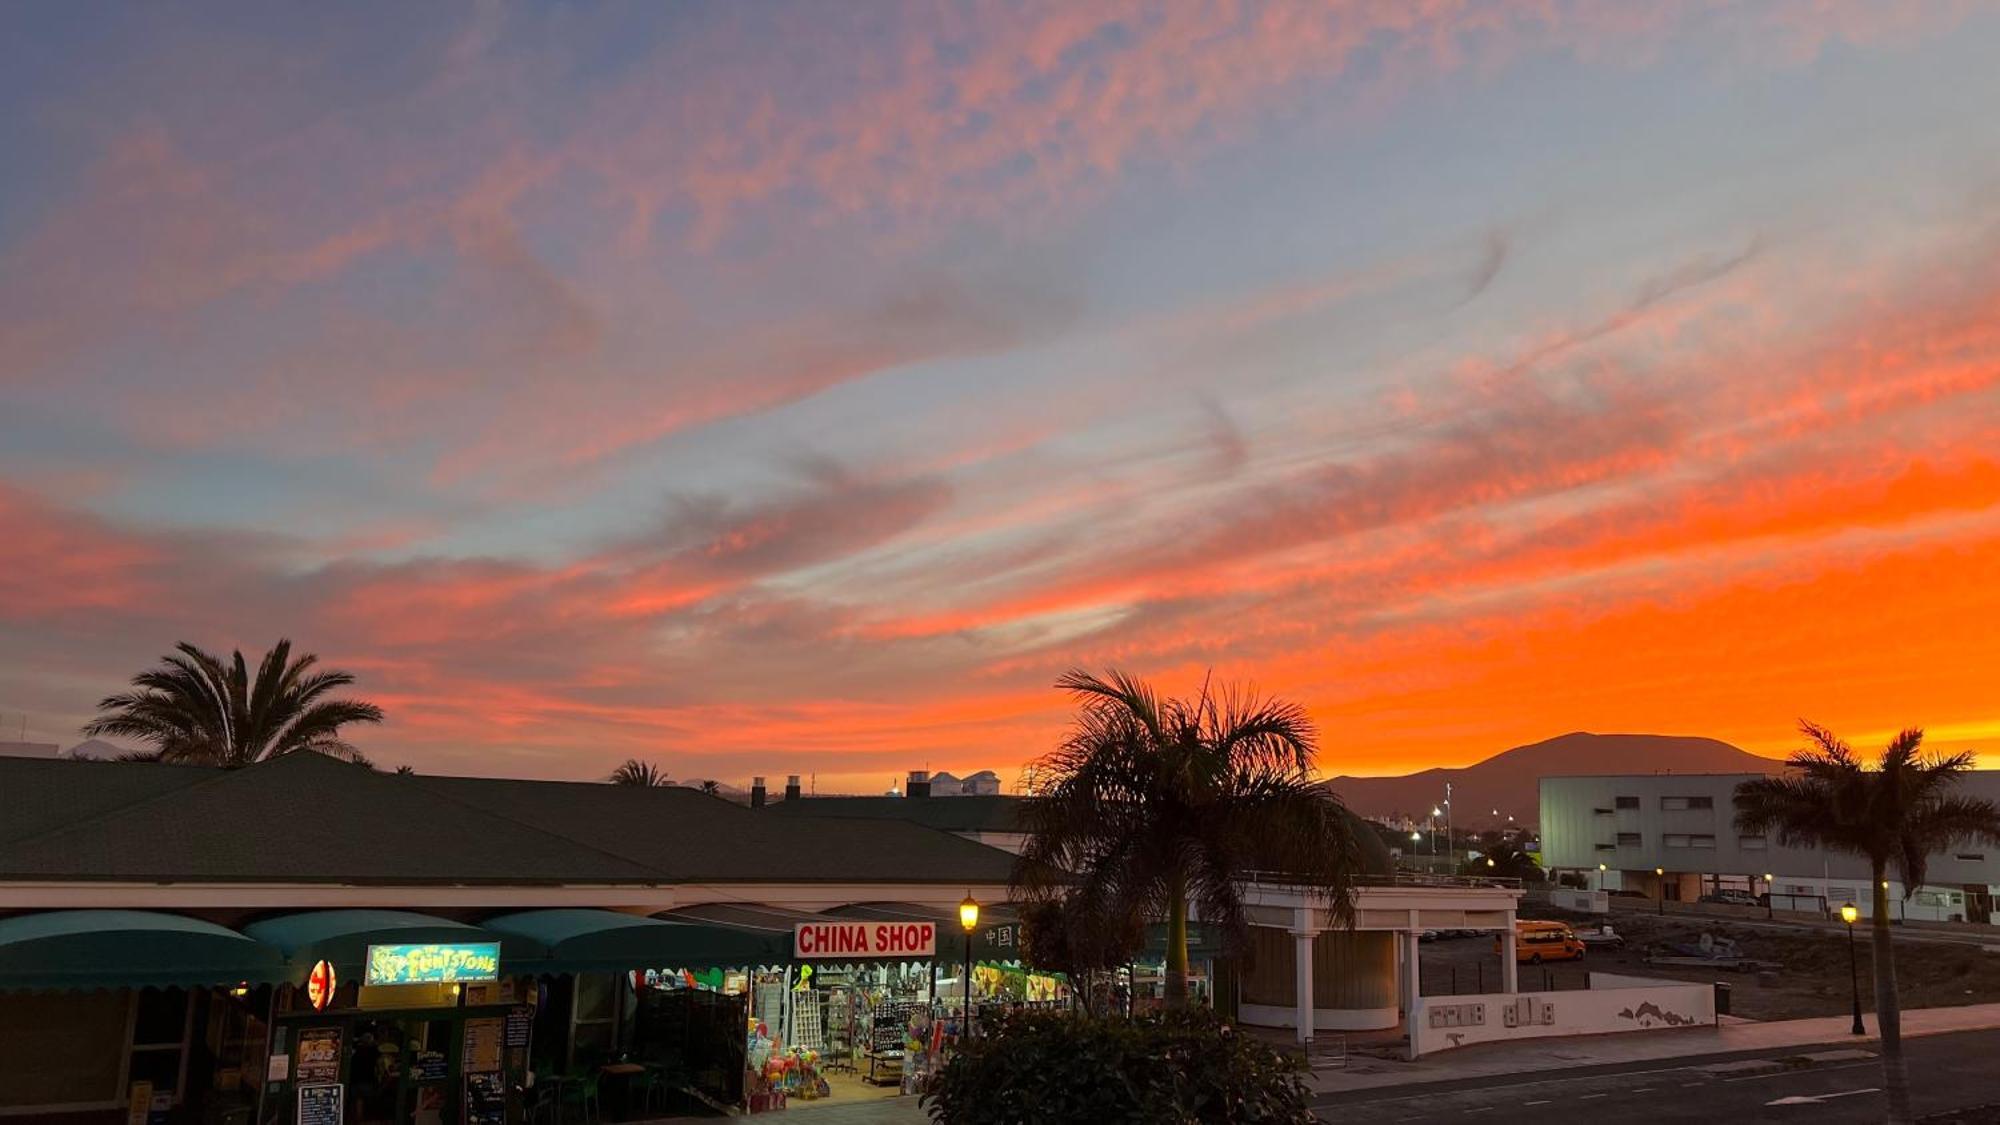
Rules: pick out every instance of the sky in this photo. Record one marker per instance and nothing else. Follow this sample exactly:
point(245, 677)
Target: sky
point(801, 388)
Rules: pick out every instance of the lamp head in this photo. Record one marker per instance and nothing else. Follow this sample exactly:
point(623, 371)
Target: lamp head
point(1659, 871)
point(1601, 867)
point(968, 913)
point(1849, 912)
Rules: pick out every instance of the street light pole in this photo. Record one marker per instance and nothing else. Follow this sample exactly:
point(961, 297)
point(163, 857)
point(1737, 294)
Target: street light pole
point(968, 919)
point(1848, 913)
point(1770, 896)
point(1660, 890)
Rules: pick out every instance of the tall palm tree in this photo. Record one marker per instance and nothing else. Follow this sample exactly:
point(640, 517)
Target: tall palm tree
point(632, 771)
point(1894, 816)
point(1156, 806)
point(712, 788)
point(199, 710)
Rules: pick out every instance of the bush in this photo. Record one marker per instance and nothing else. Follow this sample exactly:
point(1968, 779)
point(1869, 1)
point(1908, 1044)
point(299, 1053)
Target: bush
point(1178, 1069)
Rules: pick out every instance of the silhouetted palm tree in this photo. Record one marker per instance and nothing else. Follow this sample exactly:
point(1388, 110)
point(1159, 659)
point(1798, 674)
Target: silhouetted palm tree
point(632, 771)
point(1507, 861)
point(1895, 815)
point(1154, 806)
point(196, 709)
point(712, 788)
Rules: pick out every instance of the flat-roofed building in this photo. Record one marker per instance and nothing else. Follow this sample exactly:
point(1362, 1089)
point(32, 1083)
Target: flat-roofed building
point(1675, 836)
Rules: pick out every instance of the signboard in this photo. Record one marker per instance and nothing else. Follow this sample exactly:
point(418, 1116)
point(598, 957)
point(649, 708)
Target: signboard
point(864, 939)
point(321, 1105)
point(520, 1024)
point(429, 1066)
point(482, 1045)
point(485, 1100)
point(1005, 938)
point(140, 1107)
point(319, 1055)
point(433, 964)
point(320, 984)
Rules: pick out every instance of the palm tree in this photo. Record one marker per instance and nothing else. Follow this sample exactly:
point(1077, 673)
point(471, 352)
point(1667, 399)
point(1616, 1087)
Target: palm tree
point(195, 709)
point(1155, 806)
point(1507, 861)
point(632, 771)
point(712, 788)
point(1895, 815)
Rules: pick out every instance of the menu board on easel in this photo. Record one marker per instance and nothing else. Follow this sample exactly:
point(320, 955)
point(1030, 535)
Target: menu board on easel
point(321, 1105)
point(482, 1045)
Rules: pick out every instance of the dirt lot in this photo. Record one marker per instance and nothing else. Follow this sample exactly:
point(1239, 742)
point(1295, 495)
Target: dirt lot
point(1813, 981)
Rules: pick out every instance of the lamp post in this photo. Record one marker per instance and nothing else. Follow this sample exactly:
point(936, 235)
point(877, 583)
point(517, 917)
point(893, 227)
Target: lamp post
point(1770, 895)
point(1848, 913)
point(1660, 890)
point(1600, 876)
point(968, 918)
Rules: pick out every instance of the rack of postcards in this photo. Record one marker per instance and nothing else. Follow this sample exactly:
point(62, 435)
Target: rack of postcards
point(887, 1028)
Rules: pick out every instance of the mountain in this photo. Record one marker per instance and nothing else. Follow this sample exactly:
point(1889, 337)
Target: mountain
point(1510, 782)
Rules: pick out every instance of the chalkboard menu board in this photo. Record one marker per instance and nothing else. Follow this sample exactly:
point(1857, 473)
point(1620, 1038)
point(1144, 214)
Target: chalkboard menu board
point(520, 1024)
point(430, 1066)
point(320, 1105)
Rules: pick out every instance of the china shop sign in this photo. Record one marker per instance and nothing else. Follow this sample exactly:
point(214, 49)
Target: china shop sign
point(864, 939)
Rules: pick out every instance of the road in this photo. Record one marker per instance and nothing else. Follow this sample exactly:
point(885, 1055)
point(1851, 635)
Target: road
point(1948, 1072)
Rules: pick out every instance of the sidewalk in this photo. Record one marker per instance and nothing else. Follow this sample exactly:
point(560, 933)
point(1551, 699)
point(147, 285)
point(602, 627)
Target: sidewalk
point(1488, 1060)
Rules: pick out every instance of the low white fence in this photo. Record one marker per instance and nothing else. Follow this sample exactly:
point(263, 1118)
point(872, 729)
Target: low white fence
point(1583, 902)
point(1613, 1003)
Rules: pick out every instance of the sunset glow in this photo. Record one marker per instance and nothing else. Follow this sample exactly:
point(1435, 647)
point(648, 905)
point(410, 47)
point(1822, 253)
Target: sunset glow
point(794, 388)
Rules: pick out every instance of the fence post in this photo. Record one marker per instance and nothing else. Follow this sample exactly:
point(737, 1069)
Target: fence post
point(1482, 978)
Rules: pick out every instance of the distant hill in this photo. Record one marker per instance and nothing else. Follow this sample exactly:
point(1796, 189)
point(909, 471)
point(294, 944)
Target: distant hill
point(1510, 781)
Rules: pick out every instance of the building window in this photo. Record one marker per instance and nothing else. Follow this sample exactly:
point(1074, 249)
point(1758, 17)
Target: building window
point(1971, 857)
point(1685, 840)
point(1678, 804)
point(1628, 802)
point(1752, 843)
point(1628, 840)
point(1607, 847)
point(1601, 812)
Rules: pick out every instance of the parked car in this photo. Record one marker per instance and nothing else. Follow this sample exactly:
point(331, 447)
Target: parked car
point(1731, 898)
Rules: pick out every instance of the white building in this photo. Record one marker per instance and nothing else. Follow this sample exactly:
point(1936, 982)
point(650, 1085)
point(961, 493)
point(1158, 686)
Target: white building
point(1675, 836)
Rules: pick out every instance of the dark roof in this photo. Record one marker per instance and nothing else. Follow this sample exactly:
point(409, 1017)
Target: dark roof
point(696, 838)
point(987, 813)
point(308, 818)
point(39, 794)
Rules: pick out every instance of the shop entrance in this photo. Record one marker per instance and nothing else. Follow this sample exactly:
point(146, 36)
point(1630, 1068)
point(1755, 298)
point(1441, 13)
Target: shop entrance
point(430, 1066)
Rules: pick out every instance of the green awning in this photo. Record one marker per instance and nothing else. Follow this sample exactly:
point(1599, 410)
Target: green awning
point(593, 941)
point(64, 949)
point(343, 936)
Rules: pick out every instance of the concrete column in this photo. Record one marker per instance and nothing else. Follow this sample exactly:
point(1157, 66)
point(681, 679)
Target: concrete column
point(1302, 972)
point(1510, 969)
point(1413, 986)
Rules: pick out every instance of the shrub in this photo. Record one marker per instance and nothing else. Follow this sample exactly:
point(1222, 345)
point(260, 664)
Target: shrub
point(1177, 1069)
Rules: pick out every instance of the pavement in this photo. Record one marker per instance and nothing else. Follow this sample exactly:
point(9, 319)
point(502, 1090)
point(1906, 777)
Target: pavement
point(1829, 1085)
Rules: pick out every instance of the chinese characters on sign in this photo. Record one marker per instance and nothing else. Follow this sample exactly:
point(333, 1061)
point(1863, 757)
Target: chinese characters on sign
point(433, 964)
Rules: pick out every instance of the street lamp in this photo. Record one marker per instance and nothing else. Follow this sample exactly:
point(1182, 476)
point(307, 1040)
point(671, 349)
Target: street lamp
point(1660, 890)
point(1848, 913)
point(1600, 876)
point(1770, 895)
point(968, 917)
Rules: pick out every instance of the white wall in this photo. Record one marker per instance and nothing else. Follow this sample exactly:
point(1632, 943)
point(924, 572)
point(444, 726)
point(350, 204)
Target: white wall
point(1583, 902)
point(1444, 1022)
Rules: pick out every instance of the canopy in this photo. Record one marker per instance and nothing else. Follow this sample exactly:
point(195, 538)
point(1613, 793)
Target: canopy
point(343, 936)
point(128, 948)
point(583, 941)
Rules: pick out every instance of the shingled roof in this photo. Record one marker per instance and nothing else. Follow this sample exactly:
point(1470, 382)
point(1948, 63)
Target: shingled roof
point(308, 818)
point(983, 813)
